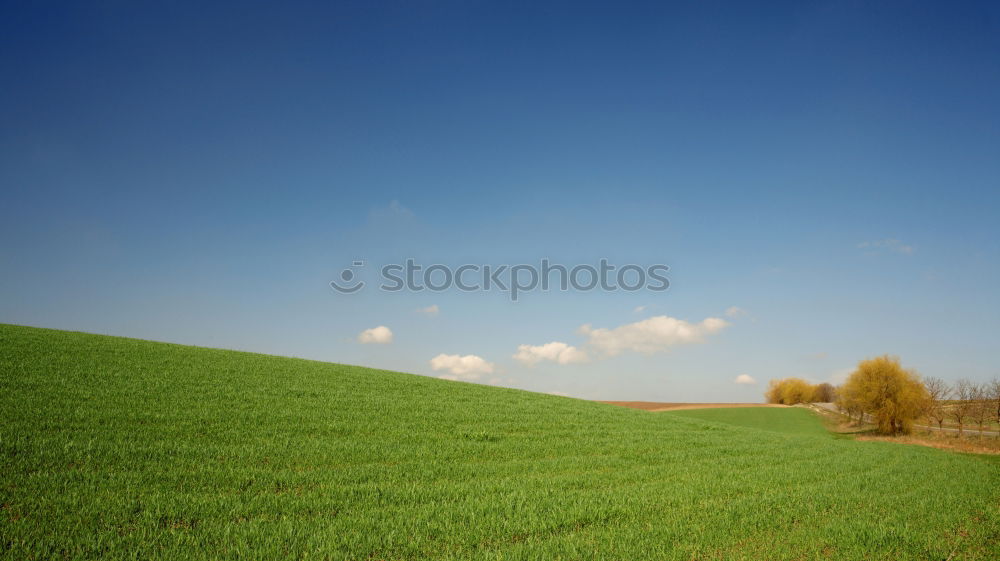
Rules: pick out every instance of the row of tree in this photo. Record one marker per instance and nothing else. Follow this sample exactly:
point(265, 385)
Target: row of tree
point(893, 397)
point(790, 391)
point(965, 402)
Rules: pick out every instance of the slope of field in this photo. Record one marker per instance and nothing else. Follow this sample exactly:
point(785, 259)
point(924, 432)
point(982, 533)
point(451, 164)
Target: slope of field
point(661, 406)
point(116, 448)
point(789, 420)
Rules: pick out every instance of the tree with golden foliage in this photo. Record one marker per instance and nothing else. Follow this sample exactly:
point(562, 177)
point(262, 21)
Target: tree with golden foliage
point(894, 396)
point(773, 392)
point(789, 391)
point(850, 403)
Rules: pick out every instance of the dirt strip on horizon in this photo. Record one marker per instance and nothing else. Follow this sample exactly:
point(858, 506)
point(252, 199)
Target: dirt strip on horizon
point(659, 406)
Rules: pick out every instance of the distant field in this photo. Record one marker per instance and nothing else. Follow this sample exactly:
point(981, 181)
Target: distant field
point(124, 449)
point(788, 420)
point(661, 406)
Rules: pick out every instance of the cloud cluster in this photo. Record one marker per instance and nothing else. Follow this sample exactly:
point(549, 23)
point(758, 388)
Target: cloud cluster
point(380, 335)
point(466, 368)
point(647, 336)
point(745, 379)
point(650, 335)
point(555, 351)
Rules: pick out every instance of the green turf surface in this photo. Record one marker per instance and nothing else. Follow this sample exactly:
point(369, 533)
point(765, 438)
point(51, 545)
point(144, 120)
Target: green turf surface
point(123, 449)
point(789, 420)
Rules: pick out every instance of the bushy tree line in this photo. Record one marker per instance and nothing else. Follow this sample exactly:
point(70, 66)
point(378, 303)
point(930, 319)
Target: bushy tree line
point(790, 391)
point(893, 397)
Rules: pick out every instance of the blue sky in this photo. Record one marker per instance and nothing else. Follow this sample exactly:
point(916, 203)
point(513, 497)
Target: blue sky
point(200, 174)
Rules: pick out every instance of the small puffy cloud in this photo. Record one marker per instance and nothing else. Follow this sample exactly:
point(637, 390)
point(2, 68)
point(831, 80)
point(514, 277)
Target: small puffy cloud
point(380, 335)
point(429, 311)
point(651, 335)
point(745, 379)
point(555, 351)
point(467, 367)
point(735, 312)
point(639, 309)
point(888, 244)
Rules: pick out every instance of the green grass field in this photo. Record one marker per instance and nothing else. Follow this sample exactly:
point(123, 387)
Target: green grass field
point(784, 420)
point(125, 449)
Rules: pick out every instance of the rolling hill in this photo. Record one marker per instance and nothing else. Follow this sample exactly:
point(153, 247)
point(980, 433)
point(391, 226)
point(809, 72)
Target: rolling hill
point(120, 448)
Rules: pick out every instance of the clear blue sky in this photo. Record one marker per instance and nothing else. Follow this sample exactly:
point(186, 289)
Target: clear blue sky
point(199, 174)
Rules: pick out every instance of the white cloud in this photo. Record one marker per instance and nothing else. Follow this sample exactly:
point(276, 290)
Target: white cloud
point(745, 379)
point(429, 311)
point(554, 351)
point(560, 394)
point(639, 309)
point(651, 335)
point(735, 312)
point(888, 244)
point(468, 367)
point(380, 335)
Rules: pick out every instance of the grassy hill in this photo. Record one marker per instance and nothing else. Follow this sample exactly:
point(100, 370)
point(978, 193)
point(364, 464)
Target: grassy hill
point(119, 448)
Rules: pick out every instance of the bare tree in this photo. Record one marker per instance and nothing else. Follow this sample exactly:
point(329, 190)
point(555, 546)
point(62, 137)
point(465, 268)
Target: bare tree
point(961, 410)
point(824, 393)
point(994, 396)
point(982, 409)
point(940, 392)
